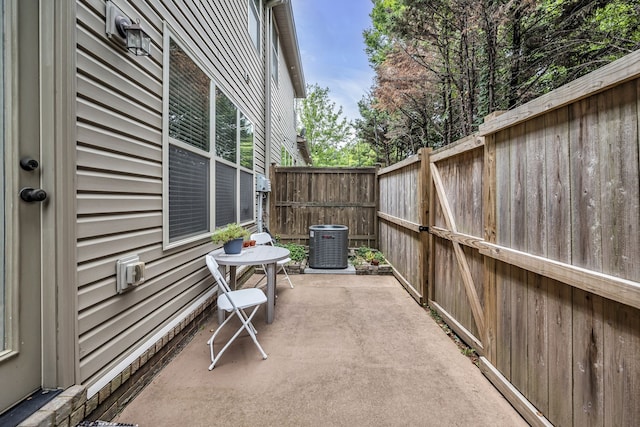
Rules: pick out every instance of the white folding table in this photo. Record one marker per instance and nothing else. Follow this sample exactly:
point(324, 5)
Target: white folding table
point(255, 255)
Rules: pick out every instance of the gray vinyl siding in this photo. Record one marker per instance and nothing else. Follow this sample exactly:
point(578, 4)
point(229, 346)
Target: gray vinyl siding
point(119, 167)
point(282, 109)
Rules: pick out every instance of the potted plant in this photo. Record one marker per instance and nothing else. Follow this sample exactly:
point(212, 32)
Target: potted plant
point(231, 237)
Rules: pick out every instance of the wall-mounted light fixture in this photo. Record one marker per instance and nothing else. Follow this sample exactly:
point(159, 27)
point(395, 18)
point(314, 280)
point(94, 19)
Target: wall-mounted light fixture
point(122, 30)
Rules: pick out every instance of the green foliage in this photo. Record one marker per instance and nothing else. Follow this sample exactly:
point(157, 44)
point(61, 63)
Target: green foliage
point(372, 130)
point(229, 232)
point(326, 129)
point(357, 153)
point(443, 65)
point(330, 135)
point(365, 254)
point(376, 39)
point(614, 16)
point(297, 252)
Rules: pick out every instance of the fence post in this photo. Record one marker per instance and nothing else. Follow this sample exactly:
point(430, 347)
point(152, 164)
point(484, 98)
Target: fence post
point(271, 199)
point(489, 205)
point(376, 223)
point(431, 222)
point(424, 192)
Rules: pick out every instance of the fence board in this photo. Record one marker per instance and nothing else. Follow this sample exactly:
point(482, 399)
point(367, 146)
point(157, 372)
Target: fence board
point(537, 341)
point(517, 182)
point(535, 188)
point(560, 334)
point(519, 325)
point(503, 285)
point(588, 346)
point(556, 143)
point(621, 385)
point(585, 186)
point(489, 280)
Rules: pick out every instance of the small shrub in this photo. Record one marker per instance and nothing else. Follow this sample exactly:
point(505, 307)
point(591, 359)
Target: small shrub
point(229, 232)
point(365, 254)
point(298, 253)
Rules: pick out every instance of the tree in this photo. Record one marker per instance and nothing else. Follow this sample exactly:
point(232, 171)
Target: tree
point(372, 129)
point(443, 65)
point(359, 153)
point(325, 127)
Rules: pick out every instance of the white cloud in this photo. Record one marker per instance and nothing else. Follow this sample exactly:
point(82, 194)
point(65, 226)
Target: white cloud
point(347, 91)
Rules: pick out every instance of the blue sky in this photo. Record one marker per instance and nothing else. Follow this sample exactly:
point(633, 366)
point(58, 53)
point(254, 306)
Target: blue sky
point(332, 48)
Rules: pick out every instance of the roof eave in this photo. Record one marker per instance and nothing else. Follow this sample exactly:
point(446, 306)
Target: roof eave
point(289, 40)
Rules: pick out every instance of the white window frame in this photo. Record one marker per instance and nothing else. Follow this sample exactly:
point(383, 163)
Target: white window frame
point(254, 14)
point(167, 141)
point(237, 164)
point(274, 51)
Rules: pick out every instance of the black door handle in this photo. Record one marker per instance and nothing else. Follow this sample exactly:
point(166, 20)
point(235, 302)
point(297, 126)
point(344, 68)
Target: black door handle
point(29, 194)
point(28, 164)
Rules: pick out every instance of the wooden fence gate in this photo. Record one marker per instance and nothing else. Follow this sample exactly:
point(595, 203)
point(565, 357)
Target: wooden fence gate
point(404, 208)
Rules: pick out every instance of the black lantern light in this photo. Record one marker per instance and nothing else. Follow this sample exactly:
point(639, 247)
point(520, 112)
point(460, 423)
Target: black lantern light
point(132, 36)
point(138, 41)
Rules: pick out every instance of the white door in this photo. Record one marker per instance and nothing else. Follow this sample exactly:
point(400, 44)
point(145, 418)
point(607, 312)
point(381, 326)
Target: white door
point(20, 230)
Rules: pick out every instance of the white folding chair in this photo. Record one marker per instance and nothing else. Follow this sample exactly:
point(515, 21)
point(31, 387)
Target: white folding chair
point(266, 239)
point(234, 302)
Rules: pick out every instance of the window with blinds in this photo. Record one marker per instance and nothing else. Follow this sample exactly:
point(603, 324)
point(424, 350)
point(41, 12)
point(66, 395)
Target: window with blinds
point(209, 154)
point(246, 196)
point(188, 193)
point(226, 190)
point(189, 104)
point(234, 145)
point(189, 110)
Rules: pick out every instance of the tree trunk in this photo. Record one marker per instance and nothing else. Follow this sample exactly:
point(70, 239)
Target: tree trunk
point(516, 51)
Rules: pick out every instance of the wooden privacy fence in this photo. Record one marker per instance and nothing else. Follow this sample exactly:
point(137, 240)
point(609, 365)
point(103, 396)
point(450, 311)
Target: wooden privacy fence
point(535, 238)
point(306, 196)
point(532, 254)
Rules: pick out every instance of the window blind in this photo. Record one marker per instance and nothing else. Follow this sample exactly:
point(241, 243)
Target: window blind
point(188, 193)
point(189, 100)
point(246, 196)
point(226, 211)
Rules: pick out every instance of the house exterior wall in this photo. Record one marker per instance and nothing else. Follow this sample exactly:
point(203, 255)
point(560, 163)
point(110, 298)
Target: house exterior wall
point(120, 173)
point(283, 95)
point(283, 109)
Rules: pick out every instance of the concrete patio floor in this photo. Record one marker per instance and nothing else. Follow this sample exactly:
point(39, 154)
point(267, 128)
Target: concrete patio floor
point(343, 351)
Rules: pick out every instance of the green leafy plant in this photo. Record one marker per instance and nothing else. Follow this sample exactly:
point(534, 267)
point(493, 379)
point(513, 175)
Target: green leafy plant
point(366, 255)
point(375, 256)
point(297, 252)
point(362, 251)
point(229, 232)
